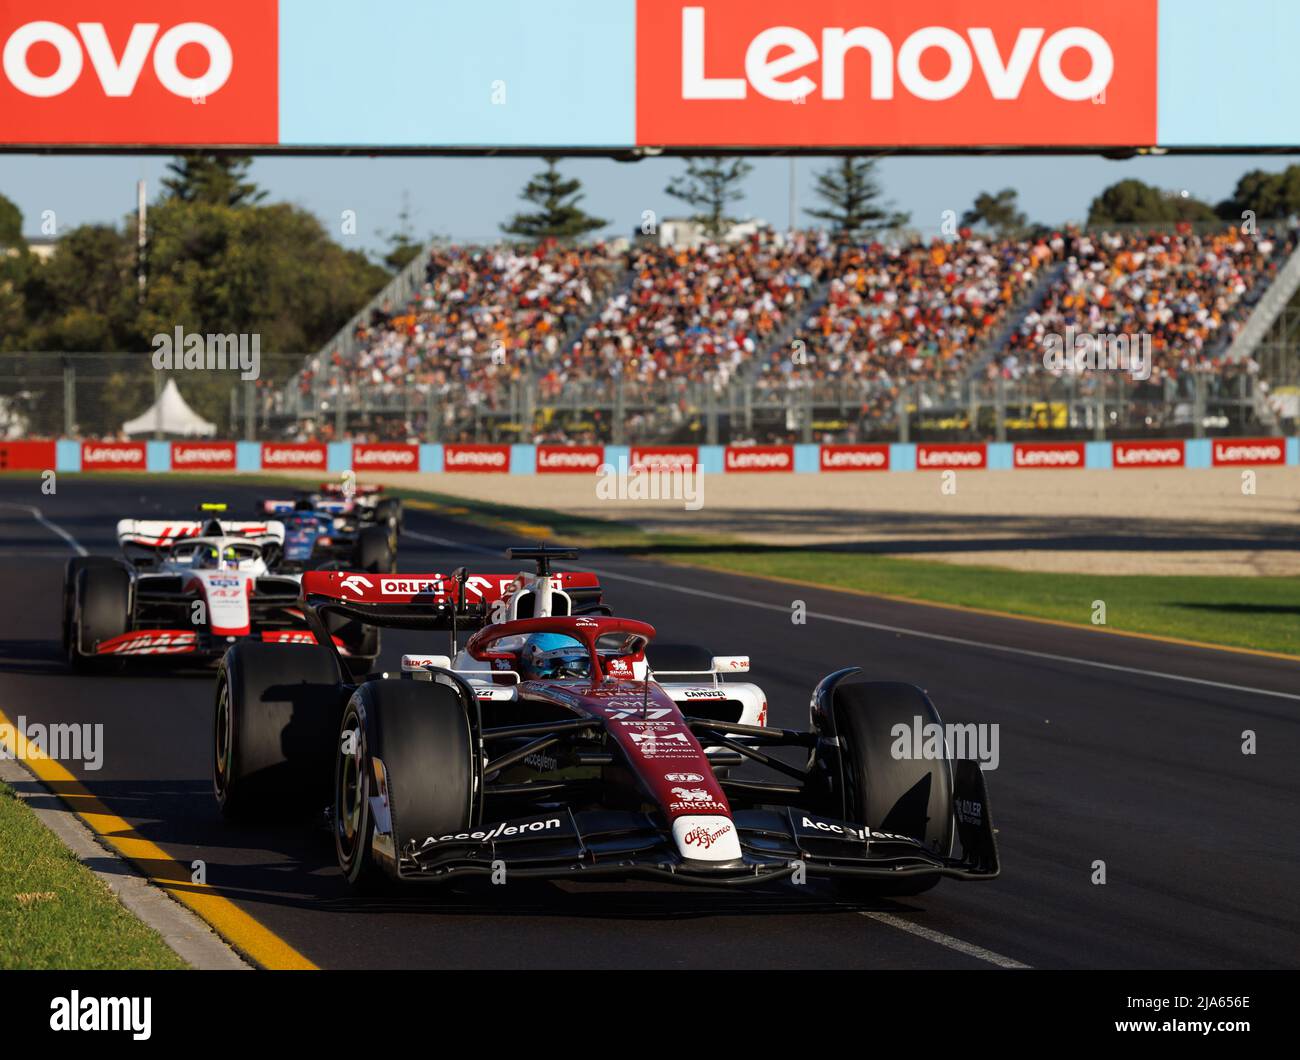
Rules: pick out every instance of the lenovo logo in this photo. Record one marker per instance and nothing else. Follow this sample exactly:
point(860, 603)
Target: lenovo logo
point(1065, 455)
point(473, 458)
point(779, 51)
point(569, 458)
point(928, 72)
point(760, 458)
point(385, 456)
point(220, 456)
point(108, 455)
point(937, 456)
point(855, 458)
point(1148, 454)
point(117, 72)
point(1249, 451)
point(307, 455)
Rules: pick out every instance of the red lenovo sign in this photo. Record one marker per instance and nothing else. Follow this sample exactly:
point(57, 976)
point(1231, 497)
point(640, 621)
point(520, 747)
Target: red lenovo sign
point(928, 72)
point(482, 458)
point(149, 71)
point(306, 456)
point(759, 458)
point(112, 456)
point(1238, 452)
point(203, 456)
point(1054, 455)
point(971, 456)
point(27, 456)
point(386, 456)
point(557, 459)
point(1149, 454)
point(854, 458)
point(665, 457)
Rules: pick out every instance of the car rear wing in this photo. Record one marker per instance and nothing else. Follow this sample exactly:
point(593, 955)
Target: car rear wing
point(162, 533)
point(463, 601)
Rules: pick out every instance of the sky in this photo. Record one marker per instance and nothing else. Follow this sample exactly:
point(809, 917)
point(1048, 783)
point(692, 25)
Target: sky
point(466, 199)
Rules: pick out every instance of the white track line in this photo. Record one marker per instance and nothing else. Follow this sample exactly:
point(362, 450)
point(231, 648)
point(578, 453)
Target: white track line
point(35, 513)
point(929, 934)
point(939, 938)
point(900, 630)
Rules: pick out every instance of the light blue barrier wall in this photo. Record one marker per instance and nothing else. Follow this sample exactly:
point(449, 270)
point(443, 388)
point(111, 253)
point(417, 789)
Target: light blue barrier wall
point(431, 457)
point(67, 456)
point(248, 456)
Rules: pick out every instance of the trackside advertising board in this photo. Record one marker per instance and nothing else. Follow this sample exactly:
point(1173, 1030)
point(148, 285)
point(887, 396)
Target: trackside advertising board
point(616, 74)
point(376, 458)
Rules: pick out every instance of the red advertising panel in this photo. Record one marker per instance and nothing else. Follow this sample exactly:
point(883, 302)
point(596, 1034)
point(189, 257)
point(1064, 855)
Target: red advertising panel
point(665, 457)
point(385, 456)
point(928, 72)
point(113, 456)
point(854, 458)
point(969, 455)
point(1053, 455)
point(149, 71)
point(27, 456)
point(559, 459)
point(482, 458)
point(203, 456)
point(293, 456)
point(1239, 452)
point(1163, 453)
point(759, 458)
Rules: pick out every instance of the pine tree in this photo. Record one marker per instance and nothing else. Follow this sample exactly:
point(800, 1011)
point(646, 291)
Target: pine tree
point(558, 216)
point(212, 179)
point(709, 184)
point(853, 195)
point(997, 212)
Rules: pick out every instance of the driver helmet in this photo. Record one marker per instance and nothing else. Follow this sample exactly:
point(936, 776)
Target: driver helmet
point(216, 557)
point(548, 656)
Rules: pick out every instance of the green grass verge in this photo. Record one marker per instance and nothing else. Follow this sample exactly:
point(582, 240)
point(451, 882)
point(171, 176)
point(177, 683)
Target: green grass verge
point(1259, 613)
point(55, 912)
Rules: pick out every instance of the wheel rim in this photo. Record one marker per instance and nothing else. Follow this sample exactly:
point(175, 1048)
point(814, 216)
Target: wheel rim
point(224, 741)
point(349, 791)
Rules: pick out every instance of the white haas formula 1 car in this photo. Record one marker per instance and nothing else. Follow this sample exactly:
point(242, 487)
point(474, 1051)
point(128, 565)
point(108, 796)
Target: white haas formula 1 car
point(549, 745)
point(191, 588)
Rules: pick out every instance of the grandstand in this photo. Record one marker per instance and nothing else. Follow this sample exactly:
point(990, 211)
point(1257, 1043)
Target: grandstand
point(799, 336)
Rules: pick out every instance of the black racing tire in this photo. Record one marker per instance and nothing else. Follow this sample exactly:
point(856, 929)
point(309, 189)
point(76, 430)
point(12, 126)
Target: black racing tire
point(374, 552)
point(70, 571)
point(275, 716)
point(420, 732)
point(902, 796)
point(101, 608)
point(670, 657)
point(388, 512)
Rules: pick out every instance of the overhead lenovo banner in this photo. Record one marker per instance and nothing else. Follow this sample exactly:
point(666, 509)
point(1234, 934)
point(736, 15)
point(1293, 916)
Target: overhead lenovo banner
point(402, 74)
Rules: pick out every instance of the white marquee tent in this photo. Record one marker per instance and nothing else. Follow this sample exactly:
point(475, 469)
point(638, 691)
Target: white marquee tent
point(170, 415)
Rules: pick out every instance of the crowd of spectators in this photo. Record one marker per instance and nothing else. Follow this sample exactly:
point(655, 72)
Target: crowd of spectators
point(780, 311)
point(1184, 294)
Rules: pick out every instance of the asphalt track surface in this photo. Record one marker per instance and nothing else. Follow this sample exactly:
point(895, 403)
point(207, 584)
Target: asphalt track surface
point(1112, 749)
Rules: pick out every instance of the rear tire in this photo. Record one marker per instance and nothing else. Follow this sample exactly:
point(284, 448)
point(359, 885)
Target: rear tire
point(903, 796)
point(374, 552)
point(388, 512)
point(100, 610)
point(420, 732)
point(274, 720)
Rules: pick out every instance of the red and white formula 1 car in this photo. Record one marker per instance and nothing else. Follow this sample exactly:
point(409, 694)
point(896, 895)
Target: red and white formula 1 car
point(191, 588)
point(550, 746)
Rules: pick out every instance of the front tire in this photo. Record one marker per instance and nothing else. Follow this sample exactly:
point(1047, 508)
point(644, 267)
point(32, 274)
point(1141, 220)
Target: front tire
point(902, 796)
point(100, 610)
point(374, 551)
point(416, 736)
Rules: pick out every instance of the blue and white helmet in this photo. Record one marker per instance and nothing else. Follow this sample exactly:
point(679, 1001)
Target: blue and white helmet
point(549, 656)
